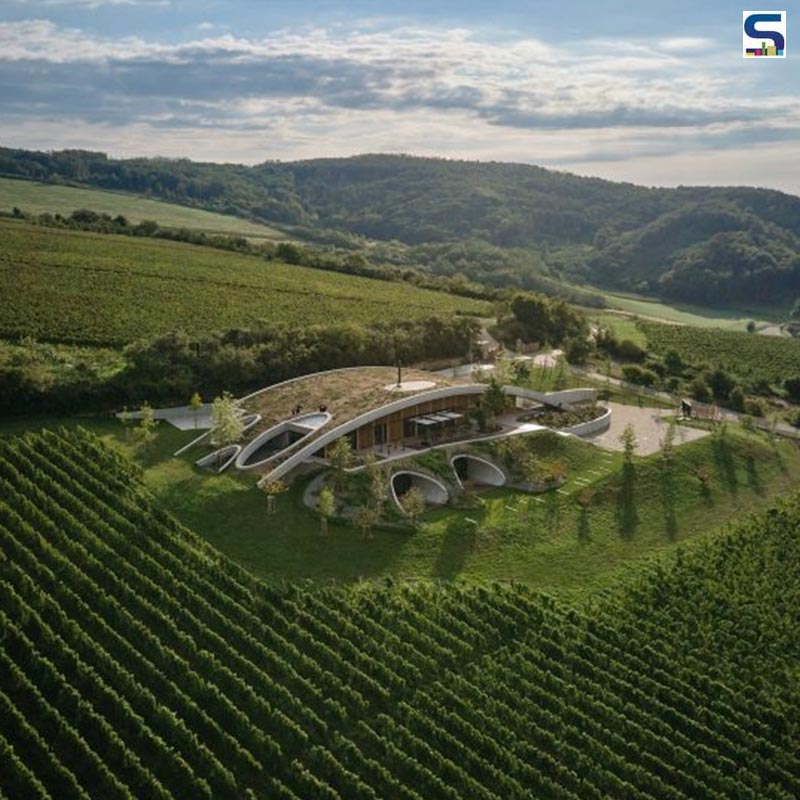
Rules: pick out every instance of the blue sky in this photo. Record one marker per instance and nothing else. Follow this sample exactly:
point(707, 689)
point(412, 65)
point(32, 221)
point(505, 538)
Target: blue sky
point(654, 92)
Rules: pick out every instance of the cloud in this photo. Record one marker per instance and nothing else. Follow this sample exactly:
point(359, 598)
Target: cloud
point(91, 3)
point(303, 93)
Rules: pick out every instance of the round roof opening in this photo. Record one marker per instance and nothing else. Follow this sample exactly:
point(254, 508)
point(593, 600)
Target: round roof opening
point(409, 386)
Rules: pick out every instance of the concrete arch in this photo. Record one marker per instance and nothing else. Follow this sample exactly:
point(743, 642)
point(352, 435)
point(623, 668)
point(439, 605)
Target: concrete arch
point(220, 459)
point(434, 491)
point(288, 435)
point(476, 469)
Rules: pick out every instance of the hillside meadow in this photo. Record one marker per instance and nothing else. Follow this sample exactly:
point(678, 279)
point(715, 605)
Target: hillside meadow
point(82, 288)
point(45, 198)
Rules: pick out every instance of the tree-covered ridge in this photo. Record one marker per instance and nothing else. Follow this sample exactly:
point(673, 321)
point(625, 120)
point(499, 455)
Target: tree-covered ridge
point(138, 662)
point(504, 224)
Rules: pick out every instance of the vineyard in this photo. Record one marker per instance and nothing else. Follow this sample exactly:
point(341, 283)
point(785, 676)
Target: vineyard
point(139, 663)
point(81, 288)
point(751, 357)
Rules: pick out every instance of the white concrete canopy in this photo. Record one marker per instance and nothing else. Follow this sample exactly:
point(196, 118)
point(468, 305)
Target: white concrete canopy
point(304, 426)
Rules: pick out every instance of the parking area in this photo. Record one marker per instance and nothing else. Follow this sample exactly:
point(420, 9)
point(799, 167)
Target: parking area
point(650, 425)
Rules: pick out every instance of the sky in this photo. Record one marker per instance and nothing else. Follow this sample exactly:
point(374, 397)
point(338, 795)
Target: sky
point(653, 92)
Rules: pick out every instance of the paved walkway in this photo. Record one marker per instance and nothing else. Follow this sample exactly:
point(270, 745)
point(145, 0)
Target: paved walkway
point(182, 417)
point(649, 424)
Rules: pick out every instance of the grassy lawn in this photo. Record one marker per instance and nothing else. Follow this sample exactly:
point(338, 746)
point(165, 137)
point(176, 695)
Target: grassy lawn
point(699, 316)
point(622, 326)
point(552, 541)
point(40, 198)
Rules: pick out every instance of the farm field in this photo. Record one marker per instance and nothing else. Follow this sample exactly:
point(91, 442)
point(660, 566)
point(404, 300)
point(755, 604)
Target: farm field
point(752, 358)
point(698, 316)
point(82, 288)
point(41, 198)
point(138, 661)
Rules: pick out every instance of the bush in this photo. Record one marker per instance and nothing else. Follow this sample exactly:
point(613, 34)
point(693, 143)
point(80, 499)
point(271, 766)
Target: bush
point(737, 398)
point(792, 387)
point(700, 390)
point(628, 350)
point(755, 407)
point(639, 375)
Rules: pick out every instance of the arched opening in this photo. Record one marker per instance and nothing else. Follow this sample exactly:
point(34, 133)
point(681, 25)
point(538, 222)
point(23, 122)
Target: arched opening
point(433, 490)
point(279, 438)
point(477, 470)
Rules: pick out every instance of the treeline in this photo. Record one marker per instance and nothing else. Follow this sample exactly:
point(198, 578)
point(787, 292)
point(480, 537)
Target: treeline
point(170, 368)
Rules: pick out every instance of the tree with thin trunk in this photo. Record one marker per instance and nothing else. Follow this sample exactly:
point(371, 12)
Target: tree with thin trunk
point(414, 504)
point(274, 489)
point(629, 444)
point(365, 518)
point(145, 430)
point(493, 402)
point(340, 456)
point(326, 506)
point(226, 418)
point(376, 483)
point(196, 403)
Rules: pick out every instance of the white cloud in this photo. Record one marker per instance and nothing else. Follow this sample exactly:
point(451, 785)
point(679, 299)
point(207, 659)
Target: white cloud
point(337, 92)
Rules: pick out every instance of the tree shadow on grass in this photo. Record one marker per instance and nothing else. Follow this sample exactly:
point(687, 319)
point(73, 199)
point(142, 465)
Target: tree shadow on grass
point(668, 498)
point(627, 514)
point(753, 478)
point(726, 465)
point(584, 526)
point(458, 542)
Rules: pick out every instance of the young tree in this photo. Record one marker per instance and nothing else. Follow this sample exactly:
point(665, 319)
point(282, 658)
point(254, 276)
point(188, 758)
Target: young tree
point(503, 372)
point(629, 444)
point(751, 326)
point(273, 490)
point(196, 403)
point(226, 419)
point(326, 505)
point(365, 518)
point(340, 456)
point(376, 483)
point(668, 443)
point(414, 504)
point(493, 401)
point(145, 430)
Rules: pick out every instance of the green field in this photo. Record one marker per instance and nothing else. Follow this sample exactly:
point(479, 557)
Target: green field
point(750, 357)
point(40, 198)
point(697, 316)
point(139, 662)
point(75, 287)
point(560, 549)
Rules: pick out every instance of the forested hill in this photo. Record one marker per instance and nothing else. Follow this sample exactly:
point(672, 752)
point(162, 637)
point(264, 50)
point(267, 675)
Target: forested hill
point(500, 223)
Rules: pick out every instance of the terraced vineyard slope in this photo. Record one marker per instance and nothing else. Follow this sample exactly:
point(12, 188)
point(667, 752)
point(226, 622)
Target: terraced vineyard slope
point(97, 289)
point(138, 662)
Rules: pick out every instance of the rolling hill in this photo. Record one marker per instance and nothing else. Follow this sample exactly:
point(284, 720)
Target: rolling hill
point(139, 662)
point(43, 198)
point(506, 224)
point(83, 288)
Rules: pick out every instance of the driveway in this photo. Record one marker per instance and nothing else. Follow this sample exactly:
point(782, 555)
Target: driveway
point(649, 424)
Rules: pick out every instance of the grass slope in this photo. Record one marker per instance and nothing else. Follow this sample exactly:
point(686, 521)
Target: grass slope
point(76, 287)
point(40, 198)
point(138, 662)
point(549, 545)
point(698, 316)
